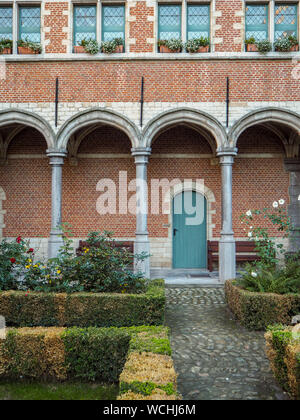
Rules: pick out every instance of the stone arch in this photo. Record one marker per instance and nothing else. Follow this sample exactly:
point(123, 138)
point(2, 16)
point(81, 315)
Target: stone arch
point(200, 188)
point(97, 116)
point(2, 212)
point(29, 119)
point(266, 117)
point(190, 117)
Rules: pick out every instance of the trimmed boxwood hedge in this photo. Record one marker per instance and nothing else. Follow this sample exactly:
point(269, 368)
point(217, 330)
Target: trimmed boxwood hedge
point(84, 309)
point(142, 354)
point(256, 311)
point(283, 351)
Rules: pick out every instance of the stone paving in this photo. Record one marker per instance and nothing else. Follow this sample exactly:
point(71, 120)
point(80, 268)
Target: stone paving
point(215, 358)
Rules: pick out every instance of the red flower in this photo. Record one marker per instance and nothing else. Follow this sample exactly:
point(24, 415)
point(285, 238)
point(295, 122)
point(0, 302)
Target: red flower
point(19, 239)
point(30, 250)
point(12, 260)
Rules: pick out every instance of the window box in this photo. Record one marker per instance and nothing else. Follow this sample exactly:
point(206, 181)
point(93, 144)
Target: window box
point(6, 51)
point(27, 50)
point(79, 49)
point(119, 49)
point(251, 48)
point(203, 49)
point(295, 48)
point(166, 50)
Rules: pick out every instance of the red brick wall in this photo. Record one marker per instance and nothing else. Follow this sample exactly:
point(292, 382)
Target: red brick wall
point(164, 81)
point(227, 21)
point(56, 21)
point(141, 28)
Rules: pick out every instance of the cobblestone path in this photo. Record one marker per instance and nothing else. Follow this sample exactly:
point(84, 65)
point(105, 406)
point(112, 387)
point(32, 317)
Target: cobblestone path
point(215, 358)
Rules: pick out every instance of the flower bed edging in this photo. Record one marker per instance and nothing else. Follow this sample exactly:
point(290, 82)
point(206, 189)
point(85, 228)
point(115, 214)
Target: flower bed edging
point(34, 309)
point(257, 311)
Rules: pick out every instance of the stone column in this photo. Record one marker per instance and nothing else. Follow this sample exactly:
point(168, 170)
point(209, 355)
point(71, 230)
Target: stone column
point(141, 156)
point(227, 259)
point(55, 240)
point(293, 167)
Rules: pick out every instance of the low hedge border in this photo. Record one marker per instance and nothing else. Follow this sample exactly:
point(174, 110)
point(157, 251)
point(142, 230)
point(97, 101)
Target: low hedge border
point(283, 351)
point(257, 311)
point(140, 354)
point(37, 309)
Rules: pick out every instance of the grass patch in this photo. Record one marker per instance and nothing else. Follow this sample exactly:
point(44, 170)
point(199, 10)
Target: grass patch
point(66, 391)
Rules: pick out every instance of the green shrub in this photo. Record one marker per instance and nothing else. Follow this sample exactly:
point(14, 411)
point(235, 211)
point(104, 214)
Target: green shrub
point(5, 43)
point(264, 46)
point(84, 309)
point(109, 47)
point(193, 45)
point(90, 46)
point(283, 351)
point(173, 44)
point(258, 310)
point(95, 353)
point(35, 46)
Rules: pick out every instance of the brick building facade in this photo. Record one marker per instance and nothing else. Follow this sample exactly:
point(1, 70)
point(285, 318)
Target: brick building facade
point(246, 151)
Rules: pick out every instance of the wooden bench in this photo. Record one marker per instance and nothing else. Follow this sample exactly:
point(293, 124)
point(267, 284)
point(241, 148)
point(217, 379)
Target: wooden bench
point(129, 245)
point(245, 252)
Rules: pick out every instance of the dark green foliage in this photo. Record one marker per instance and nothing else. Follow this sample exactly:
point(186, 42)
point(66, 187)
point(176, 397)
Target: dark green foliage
point(258, 310)
point(146, 388)
point(95, 353)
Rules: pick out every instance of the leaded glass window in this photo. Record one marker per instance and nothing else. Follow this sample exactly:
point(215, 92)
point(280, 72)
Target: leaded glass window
point(6, 23)
point(169, 22)
point(30, 23)
point(257, 21)
point(198, 21)
point(113, 22)
point(84, 23)
point(285, 20)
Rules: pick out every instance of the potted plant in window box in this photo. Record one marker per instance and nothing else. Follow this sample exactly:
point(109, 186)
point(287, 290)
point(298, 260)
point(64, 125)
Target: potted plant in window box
point(89, 46)
point(29, 47)
point(6, 46)
point(294, 43)
point(197, 45)
point(170, 45)
point(264, 46)
point(286, 44)
point(251, 45)
point(116, 46)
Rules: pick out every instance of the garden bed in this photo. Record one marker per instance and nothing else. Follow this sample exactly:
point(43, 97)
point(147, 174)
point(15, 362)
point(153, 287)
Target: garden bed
point(142, 355)
point(256, 311)
point(84, 309)
point(283, 351)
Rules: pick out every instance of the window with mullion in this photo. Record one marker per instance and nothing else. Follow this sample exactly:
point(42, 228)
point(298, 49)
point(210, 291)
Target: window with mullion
point(198, 21)
point(169, 22)
point(30, 23)
point(286, 21)
point(85, 23)
point(113, 22)
point(6, 22)
point(257, 21)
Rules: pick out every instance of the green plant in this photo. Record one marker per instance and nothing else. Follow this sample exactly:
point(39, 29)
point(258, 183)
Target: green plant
point(293, 40)
point(5, 43)
point(109, 47)
point(193, 45)
point(283, 45)
point(34, 46)
point(173, 44)
point(90, 46)
point(264, 46)
point(250, 41)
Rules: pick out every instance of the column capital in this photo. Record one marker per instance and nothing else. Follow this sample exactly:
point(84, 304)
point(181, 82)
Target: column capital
point(227, 151)
point(56, 156)
point(292, 165)
point(141, 154)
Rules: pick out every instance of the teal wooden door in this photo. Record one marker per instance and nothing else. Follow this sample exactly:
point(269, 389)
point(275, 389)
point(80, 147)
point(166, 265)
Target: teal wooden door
point(189, 230)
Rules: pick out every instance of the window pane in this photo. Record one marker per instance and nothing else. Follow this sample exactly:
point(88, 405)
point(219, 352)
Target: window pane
point(30, 23)
point(257, 22)
point(169, 22)
point(6, 22)
point(197, 21)
point(113, 22)
point(84, 23)
point(285, 20)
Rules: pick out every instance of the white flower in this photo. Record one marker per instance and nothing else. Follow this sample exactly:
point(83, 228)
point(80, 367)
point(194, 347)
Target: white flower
point(250, 234)
point(275, 204)
point(281, 201)
point(253, 274)
point(249, 213)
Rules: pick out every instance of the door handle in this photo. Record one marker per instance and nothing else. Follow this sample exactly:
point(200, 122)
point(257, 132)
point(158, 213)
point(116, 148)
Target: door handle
point(174, 231)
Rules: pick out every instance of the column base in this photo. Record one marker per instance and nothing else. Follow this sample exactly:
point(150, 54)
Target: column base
point(54, 244)
point(227, 259)
point(142, 266)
